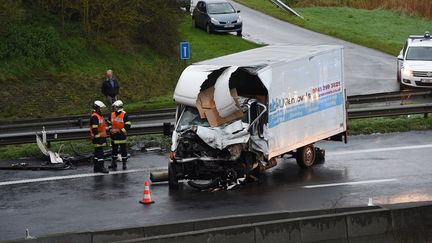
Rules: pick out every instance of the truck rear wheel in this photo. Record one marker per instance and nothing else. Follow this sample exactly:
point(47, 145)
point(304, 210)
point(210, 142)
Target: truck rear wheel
point(172, 177)
point(305, 156)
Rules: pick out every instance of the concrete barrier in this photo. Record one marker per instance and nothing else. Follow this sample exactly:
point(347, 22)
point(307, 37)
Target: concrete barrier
point(278, 231)
point(372, 225)
point(324, 229)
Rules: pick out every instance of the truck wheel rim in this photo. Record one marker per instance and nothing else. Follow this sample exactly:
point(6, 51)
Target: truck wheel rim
point(308, 156)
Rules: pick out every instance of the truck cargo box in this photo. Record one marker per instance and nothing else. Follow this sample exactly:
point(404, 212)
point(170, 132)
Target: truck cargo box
point(291, 96)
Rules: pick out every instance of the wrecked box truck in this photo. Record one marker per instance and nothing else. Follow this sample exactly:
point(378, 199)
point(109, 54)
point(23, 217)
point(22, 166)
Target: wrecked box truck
point(238, 113)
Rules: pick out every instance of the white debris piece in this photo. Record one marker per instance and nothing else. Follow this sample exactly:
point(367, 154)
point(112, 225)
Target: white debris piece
point(53, 156)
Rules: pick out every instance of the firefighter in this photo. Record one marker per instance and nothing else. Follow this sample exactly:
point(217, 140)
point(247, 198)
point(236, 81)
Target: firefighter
point(99, 136)
point(120, 124)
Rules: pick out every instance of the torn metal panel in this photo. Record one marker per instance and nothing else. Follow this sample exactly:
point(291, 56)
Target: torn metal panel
point(190, 81)
point(223, 136)
point(225, 103)
point(259, 144)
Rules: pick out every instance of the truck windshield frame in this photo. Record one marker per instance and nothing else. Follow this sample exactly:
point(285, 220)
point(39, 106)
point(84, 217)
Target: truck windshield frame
point(419, 53)
point(189, 117)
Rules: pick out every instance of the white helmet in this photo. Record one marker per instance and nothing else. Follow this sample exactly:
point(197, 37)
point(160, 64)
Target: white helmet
point(99, 103)
point(118, 103)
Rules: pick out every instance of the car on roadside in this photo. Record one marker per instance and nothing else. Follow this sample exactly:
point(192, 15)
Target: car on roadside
point(415, 62)
point(217, 16)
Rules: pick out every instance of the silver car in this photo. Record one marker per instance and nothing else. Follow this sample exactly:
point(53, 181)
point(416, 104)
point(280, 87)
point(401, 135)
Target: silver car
point(217, 16)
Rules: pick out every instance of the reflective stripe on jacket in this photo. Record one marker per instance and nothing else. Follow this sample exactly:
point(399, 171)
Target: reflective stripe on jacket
point(117, 122)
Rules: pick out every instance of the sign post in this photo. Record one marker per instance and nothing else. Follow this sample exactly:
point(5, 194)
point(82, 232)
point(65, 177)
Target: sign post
point(184, 51)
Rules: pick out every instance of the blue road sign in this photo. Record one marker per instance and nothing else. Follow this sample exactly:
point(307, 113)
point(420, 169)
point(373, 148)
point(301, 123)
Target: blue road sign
point(184, 50)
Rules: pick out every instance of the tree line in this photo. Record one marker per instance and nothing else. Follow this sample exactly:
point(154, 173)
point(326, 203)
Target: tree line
point(124, 23)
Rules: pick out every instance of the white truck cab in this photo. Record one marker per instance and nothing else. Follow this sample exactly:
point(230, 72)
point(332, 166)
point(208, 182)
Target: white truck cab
point(237, 114)
point(415, 62)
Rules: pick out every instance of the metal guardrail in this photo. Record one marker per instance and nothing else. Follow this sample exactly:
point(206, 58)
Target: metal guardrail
point(82, 121)
point(74, 128)
point(389, 111)
point(78, 121)
point(387, 96)
point(285, 7)
point(77, 133)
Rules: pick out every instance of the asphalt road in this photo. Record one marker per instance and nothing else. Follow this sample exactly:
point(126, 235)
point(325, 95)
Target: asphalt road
point(366, 70)
point(391, 168)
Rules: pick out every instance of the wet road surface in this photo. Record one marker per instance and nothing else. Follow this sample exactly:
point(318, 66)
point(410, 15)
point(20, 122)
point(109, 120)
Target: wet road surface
point(366, 70)
point(390, 168)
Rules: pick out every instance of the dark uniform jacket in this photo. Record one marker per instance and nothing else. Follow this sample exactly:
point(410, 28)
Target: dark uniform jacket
point(108, 89)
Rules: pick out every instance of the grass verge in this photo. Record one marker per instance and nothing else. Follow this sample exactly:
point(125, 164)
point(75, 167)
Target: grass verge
point(11, 152)
point(147, 80)
point(383, 30)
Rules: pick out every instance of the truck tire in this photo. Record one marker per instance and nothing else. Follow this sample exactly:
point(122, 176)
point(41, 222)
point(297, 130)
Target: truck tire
point(319, 156)
point(305, 156)
point(173, 183)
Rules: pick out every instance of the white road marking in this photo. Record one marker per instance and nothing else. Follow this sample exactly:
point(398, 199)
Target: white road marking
point(56, 178)
point(379, 149)
point(350, 183)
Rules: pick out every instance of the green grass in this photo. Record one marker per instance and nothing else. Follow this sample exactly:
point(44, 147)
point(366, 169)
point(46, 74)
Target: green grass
point(32, 151)
point(11, 152)
point(388, 125)
point(147, 80)
point(383, 30)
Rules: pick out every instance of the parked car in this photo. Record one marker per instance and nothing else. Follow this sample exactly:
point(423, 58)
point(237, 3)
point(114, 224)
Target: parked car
point(217, 16)
point(415, 62)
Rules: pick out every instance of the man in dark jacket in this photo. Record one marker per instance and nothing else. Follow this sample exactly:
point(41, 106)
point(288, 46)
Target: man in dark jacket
point(110, 88)
point(120, 124)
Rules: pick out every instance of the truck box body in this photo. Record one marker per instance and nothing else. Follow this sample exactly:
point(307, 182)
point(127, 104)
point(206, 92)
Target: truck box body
point(304, 88)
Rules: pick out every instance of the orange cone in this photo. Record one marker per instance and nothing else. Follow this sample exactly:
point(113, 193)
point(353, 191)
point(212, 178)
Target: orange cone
point(146, 196)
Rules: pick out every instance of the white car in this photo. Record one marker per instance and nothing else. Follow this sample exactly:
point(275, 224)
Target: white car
point(415, 62)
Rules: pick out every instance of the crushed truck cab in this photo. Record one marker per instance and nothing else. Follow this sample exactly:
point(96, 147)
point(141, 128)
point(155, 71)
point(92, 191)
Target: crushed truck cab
point(236, 114)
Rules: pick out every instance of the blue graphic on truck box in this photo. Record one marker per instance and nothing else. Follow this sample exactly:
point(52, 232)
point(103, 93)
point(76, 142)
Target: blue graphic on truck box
point(283, 109)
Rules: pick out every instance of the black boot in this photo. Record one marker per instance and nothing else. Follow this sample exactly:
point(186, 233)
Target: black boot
point(113, 165)
point(95, 165)
point(101, 168)
point(124, 164)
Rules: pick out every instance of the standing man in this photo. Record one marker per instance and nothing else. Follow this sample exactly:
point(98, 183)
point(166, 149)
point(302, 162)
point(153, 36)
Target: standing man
point(98, 135)
point(120, 124)
point(110, 88)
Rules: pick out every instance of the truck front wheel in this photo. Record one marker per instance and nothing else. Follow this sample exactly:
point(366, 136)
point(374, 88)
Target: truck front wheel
point(172, 177)
point(305, 156)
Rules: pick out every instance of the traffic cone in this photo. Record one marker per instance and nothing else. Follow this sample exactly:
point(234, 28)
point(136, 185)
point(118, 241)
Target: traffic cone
point(146, 196)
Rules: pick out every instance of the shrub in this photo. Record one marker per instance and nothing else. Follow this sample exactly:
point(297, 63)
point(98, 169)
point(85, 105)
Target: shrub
point(35, 46)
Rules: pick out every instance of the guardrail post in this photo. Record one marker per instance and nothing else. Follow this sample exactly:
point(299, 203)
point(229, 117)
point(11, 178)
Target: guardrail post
point(426, 115)
point(167, 129)
point(80, 122)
